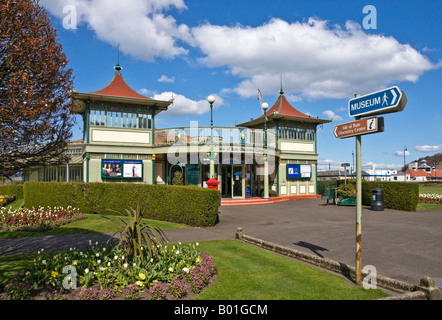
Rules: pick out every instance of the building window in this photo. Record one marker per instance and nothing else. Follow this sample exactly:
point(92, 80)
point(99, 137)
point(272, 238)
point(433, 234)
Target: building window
point(110, 115)
point(293, 131)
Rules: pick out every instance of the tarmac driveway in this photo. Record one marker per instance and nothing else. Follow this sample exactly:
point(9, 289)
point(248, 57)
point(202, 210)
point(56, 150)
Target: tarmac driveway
point(401, 245)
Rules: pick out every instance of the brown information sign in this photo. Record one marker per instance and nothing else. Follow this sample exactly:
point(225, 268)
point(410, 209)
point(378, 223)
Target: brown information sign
point(359, 127)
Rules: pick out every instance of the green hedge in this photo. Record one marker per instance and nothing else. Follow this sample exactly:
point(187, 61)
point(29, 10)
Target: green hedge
point(181, 204)
point(16, 189)
point(397, 195)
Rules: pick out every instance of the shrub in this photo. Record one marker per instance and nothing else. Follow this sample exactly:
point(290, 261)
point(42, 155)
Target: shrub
point(178, 178)
point(397, 195)
point(347, 190)
point(180, 204)
point(16, 190)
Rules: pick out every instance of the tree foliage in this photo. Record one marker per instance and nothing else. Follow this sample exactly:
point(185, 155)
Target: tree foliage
point(35, 83)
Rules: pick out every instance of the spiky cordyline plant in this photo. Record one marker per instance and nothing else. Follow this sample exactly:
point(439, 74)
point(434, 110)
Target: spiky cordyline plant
point(134, 232)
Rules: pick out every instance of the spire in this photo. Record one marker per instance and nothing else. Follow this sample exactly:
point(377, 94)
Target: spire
point(281, 91)
point(117, 67)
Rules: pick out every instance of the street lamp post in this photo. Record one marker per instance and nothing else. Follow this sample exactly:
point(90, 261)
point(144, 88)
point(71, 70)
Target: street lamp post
point(405, 169)
point(211, 100)
point(264, 107)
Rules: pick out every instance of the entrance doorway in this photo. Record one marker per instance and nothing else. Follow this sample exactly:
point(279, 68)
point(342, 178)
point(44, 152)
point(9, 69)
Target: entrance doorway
point(232, 181)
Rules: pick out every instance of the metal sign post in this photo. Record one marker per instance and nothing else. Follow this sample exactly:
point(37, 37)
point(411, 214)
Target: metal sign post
point(380, 102)
point(358, 208)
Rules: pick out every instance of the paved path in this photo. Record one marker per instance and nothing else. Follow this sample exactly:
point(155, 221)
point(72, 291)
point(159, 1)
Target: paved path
point(402, 245)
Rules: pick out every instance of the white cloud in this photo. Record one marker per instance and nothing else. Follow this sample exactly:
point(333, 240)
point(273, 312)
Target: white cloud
point(325, 164)
point(381, 166)
point(146, 92)
point(427, 148)
point(139, 27)
point(401, 153)
point(164, 78)
point(316, 60)
point(182, 105)
point(293, 98)
point(331, 115)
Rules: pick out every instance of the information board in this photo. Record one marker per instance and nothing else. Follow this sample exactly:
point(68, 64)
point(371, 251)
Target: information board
point(299, 171)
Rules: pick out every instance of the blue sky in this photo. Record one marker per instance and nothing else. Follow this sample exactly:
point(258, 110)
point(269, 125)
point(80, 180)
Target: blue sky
point(322, 49)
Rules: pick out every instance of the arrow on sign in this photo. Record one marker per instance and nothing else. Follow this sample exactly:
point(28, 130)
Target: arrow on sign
point(394, 97)
point(359, 127)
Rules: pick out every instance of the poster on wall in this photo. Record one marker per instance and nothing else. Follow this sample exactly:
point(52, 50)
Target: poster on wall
point(110, 168)
point(306, 171)
point(132, 169)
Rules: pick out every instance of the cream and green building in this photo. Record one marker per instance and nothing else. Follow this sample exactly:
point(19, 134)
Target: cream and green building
point(121, 143)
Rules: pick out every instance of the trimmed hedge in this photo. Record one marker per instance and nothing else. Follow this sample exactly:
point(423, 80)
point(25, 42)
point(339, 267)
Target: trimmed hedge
point(397, 195)
point(16, 189)
point(180, 204)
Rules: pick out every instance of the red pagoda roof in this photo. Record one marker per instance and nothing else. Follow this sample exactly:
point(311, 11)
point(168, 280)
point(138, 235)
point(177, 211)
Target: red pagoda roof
point(116, 91)
point(119, 88)
point(283, 107)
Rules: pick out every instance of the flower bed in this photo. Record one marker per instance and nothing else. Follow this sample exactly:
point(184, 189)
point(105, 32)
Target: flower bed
point(430, 198)
point(6, 199)
point(36, 220)
point(104, 273)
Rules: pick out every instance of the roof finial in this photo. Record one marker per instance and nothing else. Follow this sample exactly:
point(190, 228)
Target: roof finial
point(117, 67)
point(281, 92)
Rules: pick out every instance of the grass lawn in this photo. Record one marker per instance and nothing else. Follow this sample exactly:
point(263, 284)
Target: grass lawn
point(431, 188)
point(428, 206)
point(249, 273)
point(93, 223)
point(246, 272)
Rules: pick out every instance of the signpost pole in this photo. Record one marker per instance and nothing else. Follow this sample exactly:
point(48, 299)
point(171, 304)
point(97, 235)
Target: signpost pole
point(358, 205)
point(358, 208)
point(380, 102)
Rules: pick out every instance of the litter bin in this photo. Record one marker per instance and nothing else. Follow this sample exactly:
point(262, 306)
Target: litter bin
point(377, 199)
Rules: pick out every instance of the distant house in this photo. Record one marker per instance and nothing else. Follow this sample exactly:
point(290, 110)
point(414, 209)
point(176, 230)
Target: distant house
point(424, 172)
point(339, 175)
point(379, 174)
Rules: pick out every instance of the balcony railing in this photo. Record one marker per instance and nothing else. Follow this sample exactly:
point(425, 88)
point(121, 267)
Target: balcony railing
point(222, 136)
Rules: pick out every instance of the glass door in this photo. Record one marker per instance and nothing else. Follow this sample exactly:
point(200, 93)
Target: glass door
point(237, 181)
point(226, 181)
